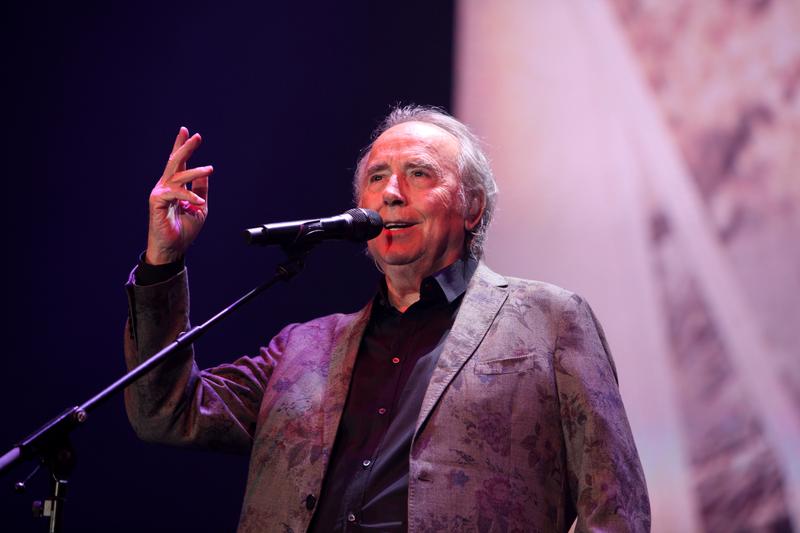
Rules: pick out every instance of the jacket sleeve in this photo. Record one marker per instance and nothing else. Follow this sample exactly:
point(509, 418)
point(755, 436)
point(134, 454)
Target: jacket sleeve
point(176, 403)
point(606, 481)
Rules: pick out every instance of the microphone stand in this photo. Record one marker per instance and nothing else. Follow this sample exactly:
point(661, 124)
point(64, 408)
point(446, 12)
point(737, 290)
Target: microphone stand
point(50, 445)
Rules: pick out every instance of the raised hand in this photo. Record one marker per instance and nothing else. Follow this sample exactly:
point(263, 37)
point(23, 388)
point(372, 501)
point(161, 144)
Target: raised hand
point(176, 212)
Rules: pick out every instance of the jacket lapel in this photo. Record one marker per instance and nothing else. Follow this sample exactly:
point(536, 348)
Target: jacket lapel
point(340, 371)
point(485, 295)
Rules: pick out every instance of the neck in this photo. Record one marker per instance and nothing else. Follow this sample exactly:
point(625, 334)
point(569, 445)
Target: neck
point(402, 287)
point(403, 283)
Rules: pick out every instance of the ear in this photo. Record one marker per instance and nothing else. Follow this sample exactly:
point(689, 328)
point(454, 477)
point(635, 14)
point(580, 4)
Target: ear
point(477, 204)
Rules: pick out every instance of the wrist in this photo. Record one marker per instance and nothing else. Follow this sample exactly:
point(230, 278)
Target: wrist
point(160, 257)
point(146, 274)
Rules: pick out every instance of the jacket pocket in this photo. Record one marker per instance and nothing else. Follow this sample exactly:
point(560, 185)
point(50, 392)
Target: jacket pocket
point(511, 365)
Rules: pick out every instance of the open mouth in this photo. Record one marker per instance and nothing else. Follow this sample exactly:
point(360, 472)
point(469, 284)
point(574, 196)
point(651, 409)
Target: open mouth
point(394, 226)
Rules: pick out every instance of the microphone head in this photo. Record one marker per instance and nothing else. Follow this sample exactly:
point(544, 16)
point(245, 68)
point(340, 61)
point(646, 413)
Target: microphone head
point(367, 224)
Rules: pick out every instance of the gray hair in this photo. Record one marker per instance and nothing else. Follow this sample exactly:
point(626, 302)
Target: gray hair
point(475, 174)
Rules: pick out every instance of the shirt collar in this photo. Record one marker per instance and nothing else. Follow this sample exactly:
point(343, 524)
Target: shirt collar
point(450, 282)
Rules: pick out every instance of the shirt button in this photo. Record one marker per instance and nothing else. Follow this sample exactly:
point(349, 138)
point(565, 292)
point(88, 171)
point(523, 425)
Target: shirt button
point(365, 463)
point(311, 501)
point(382, 411)
point(395, 360)
point(351, 517)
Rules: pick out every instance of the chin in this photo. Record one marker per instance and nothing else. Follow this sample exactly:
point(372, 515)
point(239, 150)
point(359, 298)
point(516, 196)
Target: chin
point(398, 259)
point(394, 257)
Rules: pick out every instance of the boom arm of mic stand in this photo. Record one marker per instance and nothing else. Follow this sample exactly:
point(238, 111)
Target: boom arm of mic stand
point(52, 438)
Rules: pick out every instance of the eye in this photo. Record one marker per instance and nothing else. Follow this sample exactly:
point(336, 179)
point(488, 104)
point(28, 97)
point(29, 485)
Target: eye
point(375, 177)
point(419, 173)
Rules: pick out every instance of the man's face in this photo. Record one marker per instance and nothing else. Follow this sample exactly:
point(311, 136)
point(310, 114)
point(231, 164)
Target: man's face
point(411, 180)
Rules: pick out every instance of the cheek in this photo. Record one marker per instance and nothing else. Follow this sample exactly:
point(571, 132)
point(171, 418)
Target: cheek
point(370, 201)
point(445, 203)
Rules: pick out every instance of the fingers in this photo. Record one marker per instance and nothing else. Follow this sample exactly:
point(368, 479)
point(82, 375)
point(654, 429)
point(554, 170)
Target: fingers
point(168, 196)
point(177, 159)
point(183, 134)
point(200, 187)
point(189, 176)
point(180, 140)
point(173, 188)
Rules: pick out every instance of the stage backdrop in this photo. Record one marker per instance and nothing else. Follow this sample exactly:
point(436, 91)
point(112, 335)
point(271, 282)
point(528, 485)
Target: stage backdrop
point(285, 94)
point(647, 155)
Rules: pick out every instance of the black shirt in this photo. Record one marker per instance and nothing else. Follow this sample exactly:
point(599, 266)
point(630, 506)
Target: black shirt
point(366, 484)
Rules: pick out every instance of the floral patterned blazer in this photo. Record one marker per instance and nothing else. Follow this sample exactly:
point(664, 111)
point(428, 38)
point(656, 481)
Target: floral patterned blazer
point(522, 427)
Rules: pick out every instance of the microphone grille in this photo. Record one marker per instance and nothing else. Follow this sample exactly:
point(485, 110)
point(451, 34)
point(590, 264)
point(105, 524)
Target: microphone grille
point(367, 224)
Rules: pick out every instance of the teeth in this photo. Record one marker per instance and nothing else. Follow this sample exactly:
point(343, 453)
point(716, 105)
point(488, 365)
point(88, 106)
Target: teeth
point(395, 225)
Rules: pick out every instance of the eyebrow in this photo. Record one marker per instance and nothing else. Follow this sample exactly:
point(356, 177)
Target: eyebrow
point(376, 167)
point(420, 163)
point(414, 163)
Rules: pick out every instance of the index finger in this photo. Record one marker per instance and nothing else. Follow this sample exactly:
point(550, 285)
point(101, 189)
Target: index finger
point(180, 139)
point(177, 159)
point(183, 134)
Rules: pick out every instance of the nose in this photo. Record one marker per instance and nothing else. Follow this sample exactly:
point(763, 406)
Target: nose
point(392, 192)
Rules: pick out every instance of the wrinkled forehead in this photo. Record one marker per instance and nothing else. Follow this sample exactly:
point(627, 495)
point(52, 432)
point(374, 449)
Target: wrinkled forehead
point(415, 139)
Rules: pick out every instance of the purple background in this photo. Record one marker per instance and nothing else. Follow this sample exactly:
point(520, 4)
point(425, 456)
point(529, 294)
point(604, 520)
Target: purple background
point(284, 95)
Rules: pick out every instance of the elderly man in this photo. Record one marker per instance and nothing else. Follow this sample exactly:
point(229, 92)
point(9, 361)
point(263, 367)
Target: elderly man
point(456, 400)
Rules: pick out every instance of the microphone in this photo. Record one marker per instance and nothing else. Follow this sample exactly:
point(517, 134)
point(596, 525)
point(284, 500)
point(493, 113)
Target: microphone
point(357, 224)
